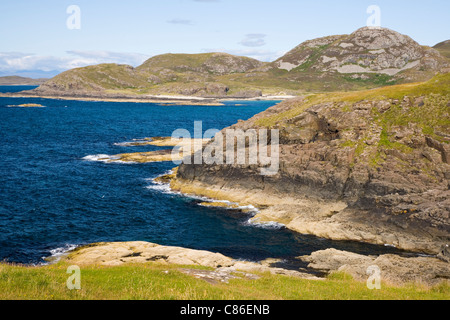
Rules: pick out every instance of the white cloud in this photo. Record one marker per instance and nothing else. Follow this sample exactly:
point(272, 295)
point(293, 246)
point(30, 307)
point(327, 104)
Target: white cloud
point(254, 40)
point(11, 62)
point(181, 21)
point(133, 59)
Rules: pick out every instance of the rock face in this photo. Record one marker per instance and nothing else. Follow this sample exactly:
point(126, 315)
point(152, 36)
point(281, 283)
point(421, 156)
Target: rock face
point(372, 166)
point(367, 58)
point(367, 50)
point(118, 253)
point(393, 269)
point(138, 252)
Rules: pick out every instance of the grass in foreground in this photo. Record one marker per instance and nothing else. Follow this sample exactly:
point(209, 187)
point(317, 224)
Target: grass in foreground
point(155, 281)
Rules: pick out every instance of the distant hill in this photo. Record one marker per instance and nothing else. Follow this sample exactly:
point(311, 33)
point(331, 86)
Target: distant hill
point(444, 48)
point(16, 80)
point(367, 58)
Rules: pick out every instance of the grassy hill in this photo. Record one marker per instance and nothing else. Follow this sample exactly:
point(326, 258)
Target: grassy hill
point(443, 48)
point(22, 81)
point(365, 59)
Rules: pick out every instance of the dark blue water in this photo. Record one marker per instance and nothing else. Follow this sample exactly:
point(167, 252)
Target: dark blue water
point(16, 88)
point(51, 198)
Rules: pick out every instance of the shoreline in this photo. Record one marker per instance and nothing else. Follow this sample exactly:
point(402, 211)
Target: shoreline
point(397, 269)
point(323, 219)
point(160, 99)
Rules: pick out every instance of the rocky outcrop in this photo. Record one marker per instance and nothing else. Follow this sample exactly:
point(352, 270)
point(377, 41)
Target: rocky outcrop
point(362, 167)
point(367, 50)
point(182, 147)
point(119, 253)
point(393, 269)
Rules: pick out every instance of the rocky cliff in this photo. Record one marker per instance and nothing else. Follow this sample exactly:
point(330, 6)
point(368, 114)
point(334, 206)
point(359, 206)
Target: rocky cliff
point(371, 166)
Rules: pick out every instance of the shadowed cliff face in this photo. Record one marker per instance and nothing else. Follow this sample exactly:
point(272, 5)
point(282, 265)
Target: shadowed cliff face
point(386, 158)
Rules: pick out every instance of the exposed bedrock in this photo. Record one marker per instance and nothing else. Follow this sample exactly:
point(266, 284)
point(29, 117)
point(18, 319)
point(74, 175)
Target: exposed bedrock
point(368, 171)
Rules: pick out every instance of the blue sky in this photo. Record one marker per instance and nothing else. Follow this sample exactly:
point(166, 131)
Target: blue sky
point(35, 39)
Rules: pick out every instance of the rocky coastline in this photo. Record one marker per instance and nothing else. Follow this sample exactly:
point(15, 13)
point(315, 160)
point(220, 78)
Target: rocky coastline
point(394, 270)
point(371, 169)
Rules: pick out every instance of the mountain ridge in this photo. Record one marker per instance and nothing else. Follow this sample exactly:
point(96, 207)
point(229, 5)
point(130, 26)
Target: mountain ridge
point(20, 81)
point(366, 58)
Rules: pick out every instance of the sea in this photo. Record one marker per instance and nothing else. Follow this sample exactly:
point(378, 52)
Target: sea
point(54, 196)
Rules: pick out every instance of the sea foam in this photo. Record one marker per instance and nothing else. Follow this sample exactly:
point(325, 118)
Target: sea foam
point(57, 253)
point(105, 158)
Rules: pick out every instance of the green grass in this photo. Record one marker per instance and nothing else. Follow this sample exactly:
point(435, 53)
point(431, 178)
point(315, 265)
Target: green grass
point(157, 281)
point(313, 57)
point(443, 48)
point(177, 71)
point(433, 114)
point(372, 79)
point(439, 86)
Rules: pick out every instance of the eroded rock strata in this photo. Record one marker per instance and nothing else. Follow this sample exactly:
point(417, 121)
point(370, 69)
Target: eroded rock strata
point(372, 166)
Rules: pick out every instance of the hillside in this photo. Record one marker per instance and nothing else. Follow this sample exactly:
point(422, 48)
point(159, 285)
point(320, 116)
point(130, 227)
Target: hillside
point(176, 74)
point(369, 166)
point(444, 48)
point(367, 58)
point(20, 81)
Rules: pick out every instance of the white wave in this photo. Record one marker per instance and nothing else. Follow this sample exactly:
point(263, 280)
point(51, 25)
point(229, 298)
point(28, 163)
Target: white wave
point(98, 157)
point(57, 253)
point(133, 142)
point(163, 188)
point(250, 209)
point(208, 200)
point(123, 162)
point(123, 144)
point(266, 224)
point(106, 159)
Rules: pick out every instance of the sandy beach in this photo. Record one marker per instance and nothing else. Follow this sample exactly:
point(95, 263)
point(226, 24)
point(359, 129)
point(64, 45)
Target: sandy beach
point(163, 99)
